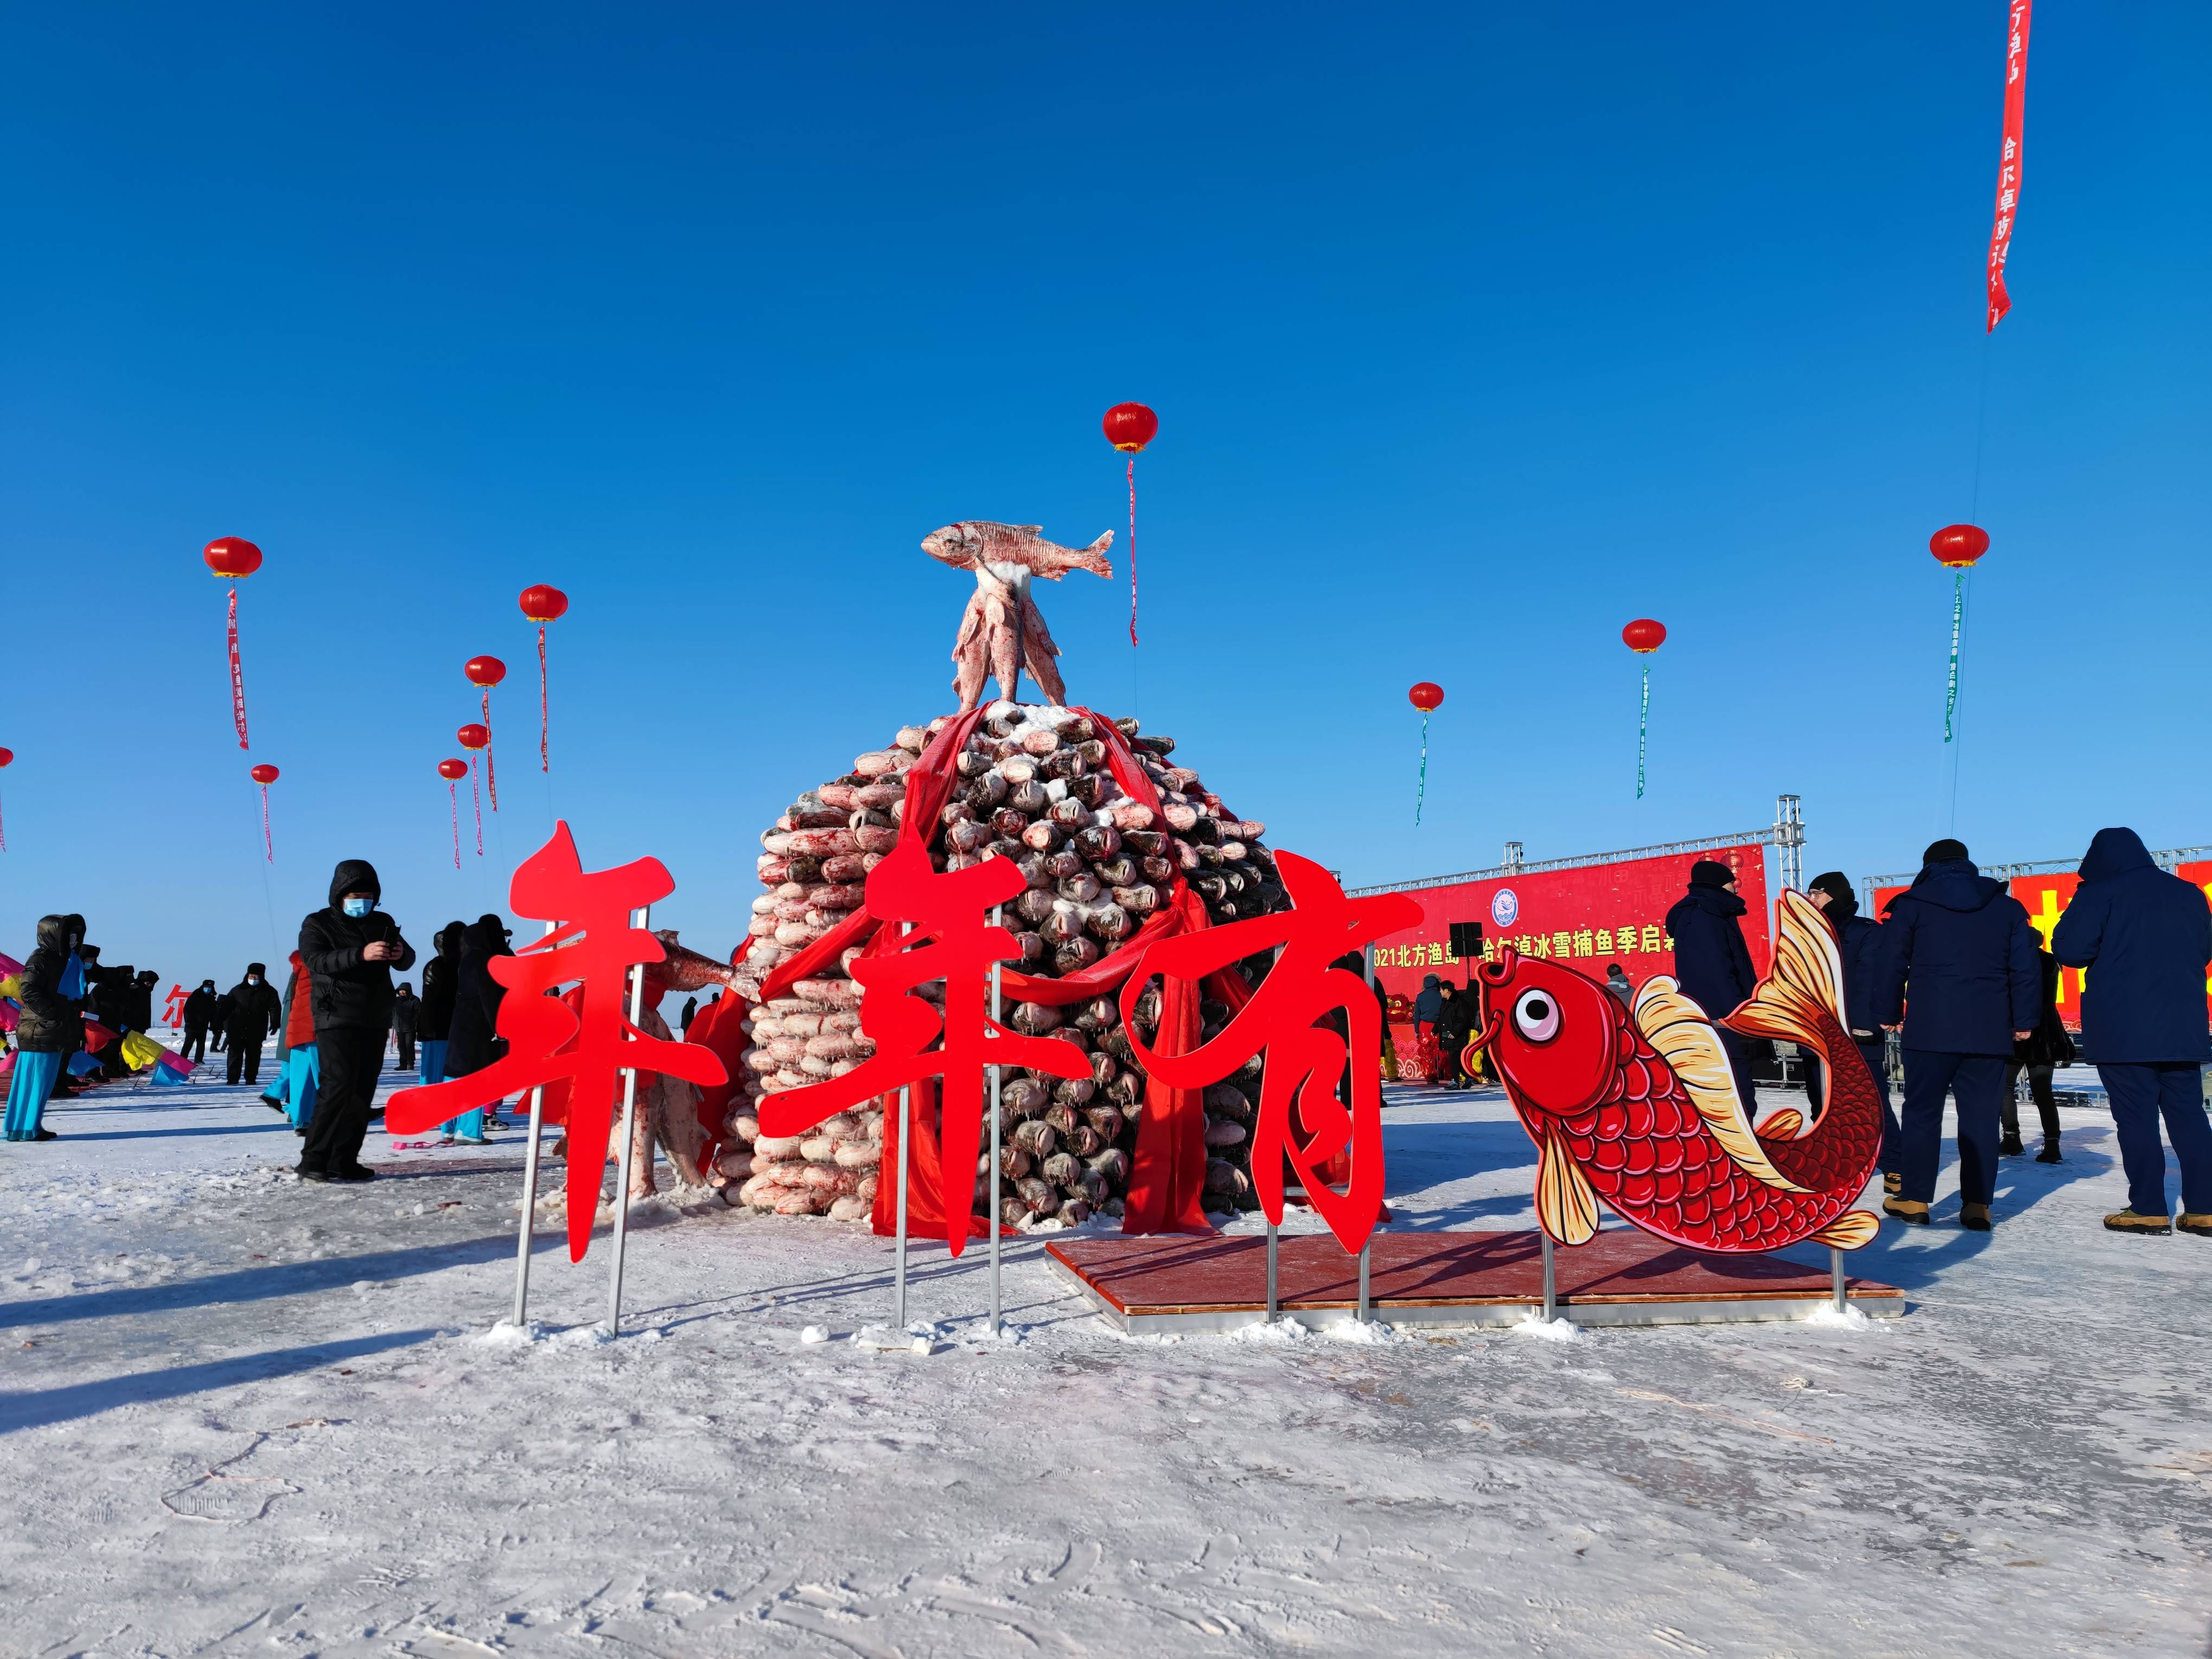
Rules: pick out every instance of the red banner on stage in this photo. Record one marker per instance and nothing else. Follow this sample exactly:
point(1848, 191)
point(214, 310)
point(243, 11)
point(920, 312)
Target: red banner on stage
point(2008, 159)
point(1590, 916)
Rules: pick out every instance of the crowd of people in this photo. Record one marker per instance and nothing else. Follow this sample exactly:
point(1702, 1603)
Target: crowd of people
point(1955, 971)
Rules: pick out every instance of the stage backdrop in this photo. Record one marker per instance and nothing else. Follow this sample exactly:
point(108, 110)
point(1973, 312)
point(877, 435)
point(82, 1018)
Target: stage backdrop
point(1588, 916)
point(2046, 899)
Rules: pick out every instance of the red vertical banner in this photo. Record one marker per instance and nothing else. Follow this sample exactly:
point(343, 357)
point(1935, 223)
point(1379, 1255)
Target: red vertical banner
point(2008, 159)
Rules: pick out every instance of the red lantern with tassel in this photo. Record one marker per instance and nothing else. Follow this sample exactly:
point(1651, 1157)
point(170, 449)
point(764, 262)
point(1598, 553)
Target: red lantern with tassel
point(7, 759)
point(264, 775)
point(453, 771)
point(1427, 696)
point(1956, 548)
point(543, 604)
point(486, 672)
point(1129, 427)
point(474, 737)
point(233, 558)
point(1643, 636)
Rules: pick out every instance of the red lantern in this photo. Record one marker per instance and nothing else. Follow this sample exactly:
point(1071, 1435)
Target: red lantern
point(473, 737)
point(543, 604)
point(453, 771)
point(1129, 427)
point(1644, 635)
point(1956, 546)
point(1425, 696)
point(486, 671)
point(233, 558)
point(264, 775)
point(6, 758)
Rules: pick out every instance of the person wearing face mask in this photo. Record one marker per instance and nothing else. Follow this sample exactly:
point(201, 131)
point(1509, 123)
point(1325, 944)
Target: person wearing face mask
point(349, 949)
point(256, 1014)
point(199, 1014)
point(47, 1031)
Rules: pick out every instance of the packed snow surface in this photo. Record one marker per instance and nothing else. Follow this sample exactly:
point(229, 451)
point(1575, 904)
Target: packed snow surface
point(243, 1415)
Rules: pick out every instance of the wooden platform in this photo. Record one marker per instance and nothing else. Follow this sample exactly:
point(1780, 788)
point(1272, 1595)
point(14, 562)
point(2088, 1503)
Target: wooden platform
point(1622, 1276)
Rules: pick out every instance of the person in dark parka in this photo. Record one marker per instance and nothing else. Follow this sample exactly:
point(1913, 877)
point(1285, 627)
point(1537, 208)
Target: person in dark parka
point(257, 1013)
point(474, 1043)
point(440, 979)
point(199, 1013)
point(47, 1030)
point(1857, 939)
point(349, 950)
point(1455, 1030)
point(1712, 963)
point(2145, 937)
point(1957, 970)
point(2049, 1048)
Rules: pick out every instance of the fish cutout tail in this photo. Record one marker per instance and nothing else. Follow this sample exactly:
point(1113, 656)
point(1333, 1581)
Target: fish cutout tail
point(1564, 1202)
point(1801, 998)
point(1676, 1027)
point(1849, 1230)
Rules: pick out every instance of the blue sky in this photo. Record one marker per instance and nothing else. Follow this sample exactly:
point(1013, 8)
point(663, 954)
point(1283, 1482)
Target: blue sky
point(1474, 332)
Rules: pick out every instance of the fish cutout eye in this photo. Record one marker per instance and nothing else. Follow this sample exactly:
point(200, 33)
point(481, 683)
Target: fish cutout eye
point(1536, 1016)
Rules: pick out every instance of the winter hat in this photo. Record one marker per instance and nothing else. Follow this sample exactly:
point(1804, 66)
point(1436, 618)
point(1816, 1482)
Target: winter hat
point(1709, 872)
point(1939, 851)
point(1834, 883)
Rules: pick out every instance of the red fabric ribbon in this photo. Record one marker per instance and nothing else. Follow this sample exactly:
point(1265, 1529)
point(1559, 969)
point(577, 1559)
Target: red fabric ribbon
point(2008, 158)
point(491, 776)
point(267, 845)
point(237, 675)
point(544, 751)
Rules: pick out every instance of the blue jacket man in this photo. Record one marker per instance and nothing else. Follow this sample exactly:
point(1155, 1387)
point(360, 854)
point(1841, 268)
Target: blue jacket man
point(2146, 937)
point(1961, 969)
point(1712, 964)
point(1858, 940)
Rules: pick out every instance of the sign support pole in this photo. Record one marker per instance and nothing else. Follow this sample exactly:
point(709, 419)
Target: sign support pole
point(1274, 1300)
point(1551, 1280)
point(1365, 1251)
point(1835, 1275)
point(906, 1143)
point(991, 1181)
point(628, 1124)
point(529, 1197)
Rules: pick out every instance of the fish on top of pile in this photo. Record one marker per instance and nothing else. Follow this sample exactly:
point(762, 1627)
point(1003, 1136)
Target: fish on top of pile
point(1034, 785)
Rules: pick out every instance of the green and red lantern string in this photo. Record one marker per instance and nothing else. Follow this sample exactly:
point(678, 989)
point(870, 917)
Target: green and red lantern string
point(1427, 696)
point(1643, 636)
point(1956, 548)
point(453, 771)
point(264, 775)
point(1129, 427)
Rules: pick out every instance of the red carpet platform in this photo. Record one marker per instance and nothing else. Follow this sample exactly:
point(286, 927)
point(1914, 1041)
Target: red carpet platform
point(1622, 1276)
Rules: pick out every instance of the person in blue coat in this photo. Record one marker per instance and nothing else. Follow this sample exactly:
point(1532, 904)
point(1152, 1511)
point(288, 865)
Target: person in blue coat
point(1858, 938)
point(2146, 936)
point(1958, 970)
point(1712, 964)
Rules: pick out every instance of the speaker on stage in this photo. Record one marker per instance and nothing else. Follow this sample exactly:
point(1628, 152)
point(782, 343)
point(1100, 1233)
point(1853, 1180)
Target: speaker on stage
point(1467, 940)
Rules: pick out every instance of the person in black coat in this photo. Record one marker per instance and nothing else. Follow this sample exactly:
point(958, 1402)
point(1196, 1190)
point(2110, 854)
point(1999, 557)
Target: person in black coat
point(474, 1041)
point(47, 1030)
point(440, 979)
point(1957, 970)
point(200, 1009)
point(1455, 1030)
point(256, 1013)
point(1712, 964)
point(2148, 936)
point(1857, 939)
point(349, 950)
point(2045, 1051)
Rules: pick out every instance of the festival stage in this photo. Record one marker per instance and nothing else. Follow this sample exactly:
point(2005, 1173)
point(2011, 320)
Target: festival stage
point(1622, 1276)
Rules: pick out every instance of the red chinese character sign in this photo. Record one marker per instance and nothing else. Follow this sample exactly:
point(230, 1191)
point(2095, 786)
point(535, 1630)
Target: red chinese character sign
point(586, 1047)
point(952, 939)
point(1639, 1107)
point(1310, 1015)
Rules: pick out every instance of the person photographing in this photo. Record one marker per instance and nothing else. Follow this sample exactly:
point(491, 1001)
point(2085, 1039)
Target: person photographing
point(350, 950)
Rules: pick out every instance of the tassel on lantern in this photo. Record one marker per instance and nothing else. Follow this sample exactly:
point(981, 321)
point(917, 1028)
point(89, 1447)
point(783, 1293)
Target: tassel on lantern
point(452, 771)
point(264, 775)
point(474, 737)
point(1424, 696)
point(1643, 636)
point(233, 558)
point(1129, 427)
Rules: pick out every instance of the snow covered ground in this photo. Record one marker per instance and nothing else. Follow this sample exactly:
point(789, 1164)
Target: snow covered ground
point(242, 1415)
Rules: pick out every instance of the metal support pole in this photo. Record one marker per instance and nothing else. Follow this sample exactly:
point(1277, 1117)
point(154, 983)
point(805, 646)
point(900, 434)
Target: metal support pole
point(1835, 1275)
point(991, 1181)
point(529, 1198)
point(1275, 1299)
point(628, 1124)
point(1551, 1280)
point(905, 1155)
point(1365, 1251)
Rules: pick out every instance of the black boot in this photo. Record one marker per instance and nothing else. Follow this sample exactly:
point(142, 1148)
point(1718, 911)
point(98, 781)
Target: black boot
point(2048, 1154)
